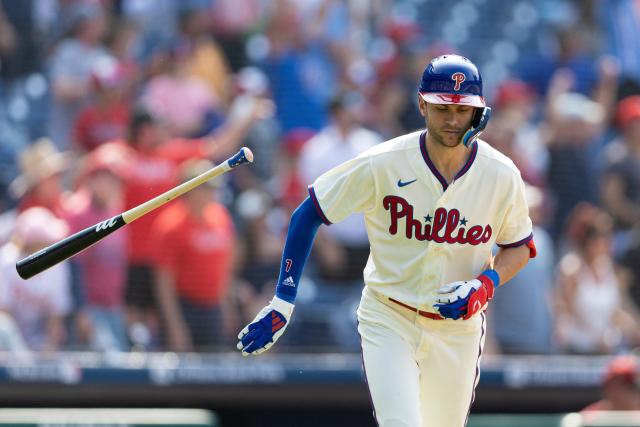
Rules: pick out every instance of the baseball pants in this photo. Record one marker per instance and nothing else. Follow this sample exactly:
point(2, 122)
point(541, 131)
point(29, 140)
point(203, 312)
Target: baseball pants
point(420, 372)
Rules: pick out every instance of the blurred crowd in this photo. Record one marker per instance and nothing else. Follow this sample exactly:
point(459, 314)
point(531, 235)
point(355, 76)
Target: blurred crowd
point(107, 103)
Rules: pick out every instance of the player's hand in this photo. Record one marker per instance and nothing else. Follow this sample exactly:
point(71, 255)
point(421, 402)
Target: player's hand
point(259, 335)
point(464, 299)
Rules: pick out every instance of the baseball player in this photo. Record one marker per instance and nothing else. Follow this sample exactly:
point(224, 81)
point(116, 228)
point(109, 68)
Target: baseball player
point(435, 203)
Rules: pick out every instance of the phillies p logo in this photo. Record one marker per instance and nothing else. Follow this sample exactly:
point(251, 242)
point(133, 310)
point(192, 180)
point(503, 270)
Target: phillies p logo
point(458, 78)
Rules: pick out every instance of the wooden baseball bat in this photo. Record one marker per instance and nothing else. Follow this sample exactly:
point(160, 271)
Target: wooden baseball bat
point(70, 246)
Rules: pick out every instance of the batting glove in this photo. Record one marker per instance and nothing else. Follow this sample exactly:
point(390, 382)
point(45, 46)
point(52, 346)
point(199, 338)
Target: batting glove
point(464, 299)
point(259, 335)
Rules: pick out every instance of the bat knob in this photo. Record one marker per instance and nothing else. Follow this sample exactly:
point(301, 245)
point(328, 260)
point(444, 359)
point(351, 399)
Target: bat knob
point(243, 156)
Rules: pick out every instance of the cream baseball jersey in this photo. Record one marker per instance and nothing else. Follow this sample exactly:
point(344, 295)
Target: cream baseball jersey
point(424, 232)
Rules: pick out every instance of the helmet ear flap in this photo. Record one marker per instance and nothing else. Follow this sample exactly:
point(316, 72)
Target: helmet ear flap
point(478, 123)
point(477, 117)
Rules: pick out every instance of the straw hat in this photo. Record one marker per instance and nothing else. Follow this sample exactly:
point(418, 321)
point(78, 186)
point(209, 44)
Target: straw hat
point(38, 162)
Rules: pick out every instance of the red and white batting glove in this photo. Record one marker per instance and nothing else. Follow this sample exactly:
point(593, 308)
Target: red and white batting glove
point(464, 299)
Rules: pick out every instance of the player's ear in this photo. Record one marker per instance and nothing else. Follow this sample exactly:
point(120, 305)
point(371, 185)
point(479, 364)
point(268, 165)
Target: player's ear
point(422, 106)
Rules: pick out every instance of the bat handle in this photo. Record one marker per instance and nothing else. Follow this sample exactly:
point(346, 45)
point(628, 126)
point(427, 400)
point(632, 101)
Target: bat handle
point(243, 156)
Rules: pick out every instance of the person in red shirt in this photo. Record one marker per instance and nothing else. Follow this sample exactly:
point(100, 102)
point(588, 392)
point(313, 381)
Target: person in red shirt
point(107, 117)
point(101, 268)
point(152, 164)
point(620, 388)
point(194, 241)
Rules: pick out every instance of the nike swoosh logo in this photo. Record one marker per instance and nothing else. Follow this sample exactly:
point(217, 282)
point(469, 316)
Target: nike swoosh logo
point(402, 184)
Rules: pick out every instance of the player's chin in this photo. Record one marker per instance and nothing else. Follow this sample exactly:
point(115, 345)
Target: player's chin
point(451, 139)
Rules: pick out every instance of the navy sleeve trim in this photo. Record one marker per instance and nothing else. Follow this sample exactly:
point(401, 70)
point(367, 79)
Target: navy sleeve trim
point(518, 243)
point(312, 194)
point(526, 241)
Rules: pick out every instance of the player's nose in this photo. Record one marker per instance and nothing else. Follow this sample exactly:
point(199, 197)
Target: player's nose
point(454, 120)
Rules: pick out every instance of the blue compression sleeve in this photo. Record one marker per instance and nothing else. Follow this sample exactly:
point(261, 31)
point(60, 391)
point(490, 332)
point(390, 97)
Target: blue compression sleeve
point(302, 230)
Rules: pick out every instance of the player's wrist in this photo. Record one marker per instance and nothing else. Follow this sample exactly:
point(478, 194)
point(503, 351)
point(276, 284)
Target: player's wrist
point(282, 306)
point(285, 294)
point(492, 276)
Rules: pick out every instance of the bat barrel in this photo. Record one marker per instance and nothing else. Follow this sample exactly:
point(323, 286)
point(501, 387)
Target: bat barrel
point(58, 252)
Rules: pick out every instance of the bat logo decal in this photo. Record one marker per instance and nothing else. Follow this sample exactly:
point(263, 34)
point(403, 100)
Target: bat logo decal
point(458, 78)
point(107, 224)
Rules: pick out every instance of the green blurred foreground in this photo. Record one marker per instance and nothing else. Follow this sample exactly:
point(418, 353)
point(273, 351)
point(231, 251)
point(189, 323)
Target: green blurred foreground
point(603, 419)
point(202, 418)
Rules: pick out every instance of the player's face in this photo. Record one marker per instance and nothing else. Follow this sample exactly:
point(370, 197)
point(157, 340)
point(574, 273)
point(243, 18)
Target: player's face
point(447, 124)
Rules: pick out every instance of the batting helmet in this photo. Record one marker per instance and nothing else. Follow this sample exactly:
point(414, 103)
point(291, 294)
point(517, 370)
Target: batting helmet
point(452, 79)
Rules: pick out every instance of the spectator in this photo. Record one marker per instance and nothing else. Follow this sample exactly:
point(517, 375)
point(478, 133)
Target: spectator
point(40, 304)
point(343, 250)
point(124, 42)
point(521, 312)
point(517, 103)
point(103, 266)
point(156, 20)
point(291, 183)
point(194, 248)
point(621, 26)
point(572, 51)
point(107, 116)
point(183, 102)
point(620, 185)
point(620, 388)
point(502, 132)
point(575, 122)
point(299, 65)
point(630, 261)
point(593, 311)
point(7, 36)
point(204, 59)
point(20, 47)
point(40, 183)
point(152, 170)
point(230, 21)
point(264, 228)
point(71, 65)
point(10, 337)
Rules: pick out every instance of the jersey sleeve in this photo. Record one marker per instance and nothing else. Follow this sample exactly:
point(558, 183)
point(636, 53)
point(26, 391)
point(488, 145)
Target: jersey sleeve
point(516, 229)
point(345, 189)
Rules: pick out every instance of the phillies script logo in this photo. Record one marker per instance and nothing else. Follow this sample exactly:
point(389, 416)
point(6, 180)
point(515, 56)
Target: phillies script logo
point(458, 78)
point(444, 228)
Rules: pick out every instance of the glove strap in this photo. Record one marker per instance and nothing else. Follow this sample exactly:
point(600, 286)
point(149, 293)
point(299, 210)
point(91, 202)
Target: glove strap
point(491, 280)
point(282, 306)
point(493, 276)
